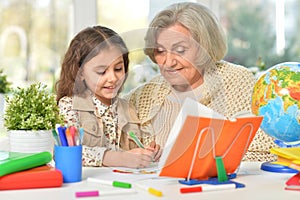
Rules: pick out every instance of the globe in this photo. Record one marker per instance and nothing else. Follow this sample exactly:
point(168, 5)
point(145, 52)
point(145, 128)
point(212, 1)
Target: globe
point(276, 97)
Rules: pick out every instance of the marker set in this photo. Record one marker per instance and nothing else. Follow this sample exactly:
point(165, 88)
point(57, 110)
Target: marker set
point(68, 135)
point(68, 152)
point(127, 186)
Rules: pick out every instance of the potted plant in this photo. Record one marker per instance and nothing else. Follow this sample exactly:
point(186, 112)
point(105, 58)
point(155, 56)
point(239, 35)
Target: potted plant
point(30, 115)
point(4, 88)
point(4, 83)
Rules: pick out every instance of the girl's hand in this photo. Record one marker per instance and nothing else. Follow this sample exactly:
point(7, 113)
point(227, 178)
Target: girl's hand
point(155, 148)
point(138, 158)
point(134, 158)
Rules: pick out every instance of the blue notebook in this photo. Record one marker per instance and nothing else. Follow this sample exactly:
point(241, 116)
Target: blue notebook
point(11, 162)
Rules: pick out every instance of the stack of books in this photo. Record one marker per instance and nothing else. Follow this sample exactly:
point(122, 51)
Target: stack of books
point(293, 183)
point(289, 157)
point(27, 170)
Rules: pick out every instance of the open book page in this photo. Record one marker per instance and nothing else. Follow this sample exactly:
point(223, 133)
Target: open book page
point(151, 169)
point(130, 174)
point(243, 113)
point(190, 107)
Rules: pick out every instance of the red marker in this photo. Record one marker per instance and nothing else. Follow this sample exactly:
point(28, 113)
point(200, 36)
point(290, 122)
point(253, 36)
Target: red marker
point(206, 188)
point(122, 171)
point(190, 189)
point(73, 134)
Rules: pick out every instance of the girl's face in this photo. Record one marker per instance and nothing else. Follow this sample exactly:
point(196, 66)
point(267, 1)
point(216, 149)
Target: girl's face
point(176, 54)
point(104, 74)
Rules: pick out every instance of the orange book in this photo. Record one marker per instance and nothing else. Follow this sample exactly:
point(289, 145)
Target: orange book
point(199, 135)
point(39, 177)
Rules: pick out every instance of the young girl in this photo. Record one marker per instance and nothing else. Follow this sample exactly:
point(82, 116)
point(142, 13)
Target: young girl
point(93, 72)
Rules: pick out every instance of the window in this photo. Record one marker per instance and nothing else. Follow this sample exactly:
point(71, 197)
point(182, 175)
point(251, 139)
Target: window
point(34, 34)
point(261, 32)
point(33, 37)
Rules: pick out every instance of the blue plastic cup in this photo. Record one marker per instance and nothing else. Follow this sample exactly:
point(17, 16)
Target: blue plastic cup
point(68, 159)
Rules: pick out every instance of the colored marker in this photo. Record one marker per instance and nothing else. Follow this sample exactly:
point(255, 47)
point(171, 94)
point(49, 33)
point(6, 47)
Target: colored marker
point(81, 133)
point(73, 134)
point(62, 136)
point(76, 136)
point(136, 139)
point(56, 139)
point(69, 137)
point(207, 188)
point(113, 183)
point(149, 189)
point(87, 194)
point(96, 193)
point(122, 171)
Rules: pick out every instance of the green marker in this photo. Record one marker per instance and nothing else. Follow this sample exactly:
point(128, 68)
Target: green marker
point(136, 139)
point(121, 184)
point(112, 183)
point(54, 133)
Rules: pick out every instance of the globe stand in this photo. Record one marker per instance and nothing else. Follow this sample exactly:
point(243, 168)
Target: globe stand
point(282, 144)
point(273, 167)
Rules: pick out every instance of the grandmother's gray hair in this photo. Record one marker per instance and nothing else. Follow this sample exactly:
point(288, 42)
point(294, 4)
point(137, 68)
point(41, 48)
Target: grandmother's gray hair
point(199, 20)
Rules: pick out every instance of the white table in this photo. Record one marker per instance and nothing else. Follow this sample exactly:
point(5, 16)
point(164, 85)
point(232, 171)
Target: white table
point(259, 185)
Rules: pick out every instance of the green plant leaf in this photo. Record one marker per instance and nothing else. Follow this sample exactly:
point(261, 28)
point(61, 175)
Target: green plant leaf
point(32, 108)
point(4, 83)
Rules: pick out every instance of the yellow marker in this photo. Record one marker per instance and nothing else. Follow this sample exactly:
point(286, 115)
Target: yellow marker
point(154, 192)
point(149, 189)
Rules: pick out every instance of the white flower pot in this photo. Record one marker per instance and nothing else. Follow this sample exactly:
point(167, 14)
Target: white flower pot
point(31, 141)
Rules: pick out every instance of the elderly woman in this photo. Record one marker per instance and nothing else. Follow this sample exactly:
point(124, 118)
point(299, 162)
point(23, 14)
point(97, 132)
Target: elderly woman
point(187, 43)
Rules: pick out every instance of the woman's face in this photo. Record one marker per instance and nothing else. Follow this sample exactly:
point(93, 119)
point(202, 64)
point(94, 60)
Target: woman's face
point(104, 74)
point(176, 53)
